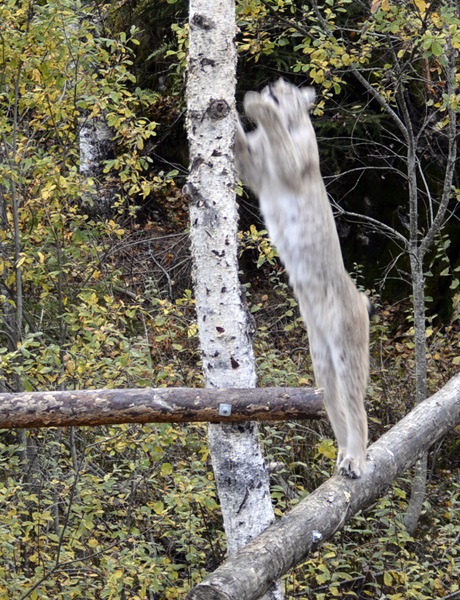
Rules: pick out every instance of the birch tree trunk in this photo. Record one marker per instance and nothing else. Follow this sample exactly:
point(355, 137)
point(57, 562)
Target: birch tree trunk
point(225, 331)
point(95, 144)
point(95, 139)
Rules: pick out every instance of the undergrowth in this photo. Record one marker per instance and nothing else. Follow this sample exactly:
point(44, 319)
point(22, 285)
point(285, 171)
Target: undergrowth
point(131, 511)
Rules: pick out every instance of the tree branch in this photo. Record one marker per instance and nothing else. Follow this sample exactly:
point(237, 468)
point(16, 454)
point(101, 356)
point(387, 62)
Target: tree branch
point(380, 99)
point(160, 405)
point(285, 21)
point(451, 154)
point(377, 225)
point(321, 514)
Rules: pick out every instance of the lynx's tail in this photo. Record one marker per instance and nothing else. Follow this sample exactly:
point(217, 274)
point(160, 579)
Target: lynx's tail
point(371, 309)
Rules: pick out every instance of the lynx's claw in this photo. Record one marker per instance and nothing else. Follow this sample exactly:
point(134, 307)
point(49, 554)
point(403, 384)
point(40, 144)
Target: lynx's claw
point(349, 467)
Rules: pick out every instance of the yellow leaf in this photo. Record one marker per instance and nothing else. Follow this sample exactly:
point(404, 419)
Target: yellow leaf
point(402, 576)
point(421, 5)
point(387, 579)
point(20, 262)
point(192, 330)
point(326, 448)
point(46, 192)
point(383, 4)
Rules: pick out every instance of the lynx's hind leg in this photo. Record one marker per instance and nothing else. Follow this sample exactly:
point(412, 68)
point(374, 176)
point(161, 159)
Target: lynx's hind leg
point(326, 378)
point(352, 461)
point(344, 400)
point(351, 367)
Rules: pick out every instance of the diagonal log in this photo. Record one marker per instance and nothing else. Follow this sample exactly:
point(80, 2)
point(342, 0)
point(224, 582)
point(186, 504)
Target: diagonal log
point(247, 574)
point(157, 405)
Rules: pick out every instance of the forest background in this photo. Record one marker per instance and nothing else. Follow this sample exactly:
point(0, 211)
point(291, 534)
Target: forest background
point(96, 286)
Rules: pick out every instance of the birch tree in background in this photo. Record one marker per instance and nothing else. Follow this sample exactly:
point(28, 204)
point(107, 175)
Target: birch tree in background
point(96, 145)
point(95, 142)
point(225, 337)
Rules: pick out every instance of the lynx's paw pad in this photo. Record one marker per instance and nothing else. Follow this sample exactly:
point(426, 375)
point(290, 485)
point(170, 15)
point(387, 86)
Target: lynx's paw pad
point(350, 467)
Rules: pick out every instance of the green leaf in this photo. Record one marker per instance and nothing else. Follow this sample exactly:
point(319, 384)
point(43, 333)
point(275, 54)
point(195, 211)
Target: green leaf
point(159, 507)
point(436, 49)
point(166, 469)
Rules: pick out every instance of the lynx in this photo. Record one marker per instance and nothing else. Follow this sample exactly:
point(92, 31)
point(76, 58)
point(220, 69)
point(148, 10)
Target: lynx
point(279, 160)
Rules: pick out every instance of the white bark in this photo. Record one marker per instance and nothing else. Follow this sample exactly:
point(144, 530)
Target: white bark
point(96, 140)
point(228, 359)
point(95, 145)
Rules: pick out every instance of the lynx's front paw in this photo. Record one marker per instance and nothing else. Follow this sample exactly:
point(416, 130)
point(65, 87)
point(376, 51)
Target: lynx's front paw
point(351, 467)
point(259, 108)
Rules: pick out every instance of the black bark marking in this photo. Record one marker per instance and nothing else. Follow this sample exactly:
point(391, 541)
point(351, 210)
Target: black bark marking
point(218, 109)
point(207, 62)
point(202, 22)
point(235, 364)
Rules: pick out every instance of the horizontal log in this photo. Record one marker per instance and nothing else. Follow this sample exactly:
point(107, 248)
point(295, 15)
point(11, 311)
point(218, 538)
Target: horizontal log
point(248, 574)
point(157, 405)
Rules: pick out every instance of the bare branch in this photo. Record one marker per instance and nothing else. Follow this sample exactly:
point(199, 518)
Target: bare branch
point(380, 99)
point(375, 223)
point(451, 154)
point(157, 405)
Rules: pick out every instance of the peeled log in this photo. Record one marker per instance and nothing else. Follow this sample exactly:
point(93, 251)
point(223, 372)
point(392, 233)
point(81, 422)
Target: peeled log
point(247, 574)
point(157, 405)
